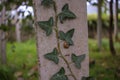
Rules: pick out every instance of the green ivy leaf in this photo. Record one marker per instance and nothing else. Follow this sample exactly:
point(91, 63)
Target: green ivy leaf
point(69, 41)
point(47, 3)
point(70, 33)
point(66, 14)
point(67, 36)
point(88, 78)
point(62, 35)
point(53, 56)
point(65, 7)
point(77, 60)
point(60, 75)
point(47, 26)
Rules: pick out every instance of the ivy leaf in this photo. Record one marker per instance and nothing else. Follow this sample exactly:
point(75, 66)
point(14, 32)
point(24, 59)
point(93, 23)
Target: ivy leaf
point(60, 75)
point(53, 56)
point(70, 33)
point(67, 36)
point(69, 41)
point(66, 14)
point(49, 31)
point(62, 35)
point(47, 26)
point(65, 7)
point(47, 3)
point(77, 60)
point(88, 78)
point(51, 21)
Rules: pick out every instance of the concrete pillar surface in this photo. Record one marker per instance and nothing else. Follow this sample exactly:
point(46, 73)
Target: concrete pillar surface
point(47, 44)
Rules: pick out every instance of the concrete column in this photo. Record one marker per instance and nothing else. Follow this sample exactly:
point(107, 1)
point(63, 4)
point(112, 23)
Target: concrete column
point(46, 44)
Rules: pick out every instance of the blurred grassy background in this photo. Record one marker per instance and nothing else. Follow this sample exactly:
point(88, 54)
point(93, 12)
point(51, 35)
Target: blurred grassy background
point(22, 58)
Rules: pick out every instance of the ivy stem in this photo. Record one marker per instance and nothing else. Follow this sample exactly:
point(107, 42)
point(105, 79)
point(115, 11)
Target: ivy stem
point(58, 42)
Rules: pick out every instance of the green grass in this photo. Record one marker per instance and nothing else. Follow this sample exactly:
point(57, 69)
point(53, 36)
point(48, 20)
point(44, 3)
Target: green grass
point(23, 56)
point(105, 64)
point(22, 53)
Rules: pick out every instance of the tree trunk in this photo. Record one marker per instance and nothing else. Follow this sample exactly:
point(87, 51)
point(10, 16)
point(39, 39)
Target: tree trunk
point(17, 22)
point(46, 44)
point(112, 49)
point(2, 39)
point(18, 31)
point(3, 47)
point(116, 20)
point(99, 25)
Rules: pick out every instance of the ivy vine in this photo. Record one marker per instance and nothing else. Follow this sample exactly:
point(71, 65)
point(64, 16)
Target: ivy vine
point(47, 26)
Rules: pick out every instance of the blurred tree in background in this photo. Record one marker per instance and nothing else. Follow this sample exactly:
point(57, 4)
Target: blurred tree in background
point(6, 6)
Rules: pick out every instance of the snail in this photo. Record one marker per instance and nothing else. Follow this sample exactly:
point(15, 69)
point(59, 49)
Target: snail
point(66, 45)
